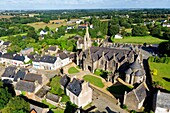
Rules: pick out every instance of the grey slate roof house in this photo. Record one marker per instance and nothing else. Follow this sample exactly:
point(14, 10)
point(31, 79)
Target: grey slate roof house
point(25, 86)
point(135, 98)
point(9, 73)
point(79, 92)
point(162, 102)
point(20, 74)
point(64, 81)
point(48, 59)
point(75, 86)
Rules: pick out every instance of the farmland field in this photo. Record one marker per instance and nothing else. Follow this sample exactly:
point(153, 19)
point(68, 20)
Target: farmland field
point(139, 40)
point(38, 25)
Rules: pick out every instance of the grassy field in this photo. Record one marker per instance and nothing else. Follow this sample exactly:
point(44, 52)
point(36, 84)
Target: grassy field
point(94, 80)
point(163, 73)
point(38, 25)
point(5, 38)
point(66, 36)
point(72, 70)
point(139, 40)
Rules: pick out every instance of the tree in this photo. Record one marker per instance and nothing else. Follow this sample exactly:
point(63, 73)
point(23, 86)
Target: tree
point(156, 31)
point(166, 35)
point(139, 31)
point(17, 105)
point(5, 96)
point(47, 28)
point(164, 48)
point(32, 34)
point(113, 30)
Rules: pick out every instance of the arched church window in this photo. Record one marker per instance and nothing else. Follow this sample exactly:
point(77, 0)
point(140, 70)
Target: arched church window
point(102, 62)
point(113, 64)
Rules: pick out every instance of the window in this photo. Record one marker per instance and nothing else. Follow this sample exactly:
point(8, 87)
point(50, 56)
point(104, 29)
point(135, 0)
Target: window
point(113, 64)
point(102, 62)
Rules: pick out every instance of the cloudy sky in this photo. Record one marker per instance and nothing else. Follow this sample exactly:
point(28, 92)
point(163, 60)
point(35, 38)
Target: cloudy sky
point(81, 4)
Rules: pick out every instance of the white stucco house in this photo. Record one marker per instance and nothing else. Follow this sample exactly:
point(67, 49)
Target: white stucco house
point(51, 62)
point(118, 36)
point(79, 92)
point(43, 32)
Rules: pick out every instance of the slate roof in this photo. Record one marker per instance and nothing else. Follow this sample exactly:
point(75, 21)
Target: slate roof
point(25, 86)
point(141, 92)
point(135, 65)
point(139, 73)
point(48, 59)
point(52, 48)
point(64, 80)
point(20, 74)
point(9, 72)
point(163, 100)
point(75, 86)
point(33, 77)
point(43, 91)
point(6, 43)
point(137, 95)
point(63, 55)
point(19, 57)
point(34, 57)
point(8, 55)
point(129, 71)
point(52, 97)
point(96, 53)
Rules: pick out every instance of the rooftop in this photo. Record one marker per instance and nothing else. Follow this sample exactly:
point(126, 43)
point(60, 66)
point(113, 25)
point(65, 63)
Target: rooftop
point(163, 100)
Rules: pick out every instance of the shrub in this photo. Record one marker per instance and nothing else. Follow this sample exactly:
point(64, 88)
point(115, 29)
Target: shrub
point(154, 72)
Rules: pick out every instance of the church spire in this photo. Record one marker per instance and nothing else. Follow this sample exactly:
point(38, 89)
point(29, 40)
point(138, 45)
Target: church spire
point(87, 40)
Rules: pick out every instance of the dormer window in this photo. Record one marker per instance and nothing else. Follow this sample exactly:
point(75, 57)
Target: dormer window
point(75, 90)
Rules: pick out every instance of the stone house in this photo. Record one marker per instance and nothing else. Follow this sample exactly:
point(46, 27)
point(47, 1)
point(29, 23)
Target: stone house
point(53, 99)
point(52, 50)
point(79, 92)
point(134, 99)
point(30, 84)
point(162, 102)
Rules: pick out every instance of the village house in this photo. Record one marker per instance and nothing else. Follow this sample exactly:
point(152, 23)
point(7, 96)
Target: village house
point(14, 59)
point(118, 36)
point(50, 62)
point(30, 85)
point(53, 99)
point(52, 50)
point(134, 99)
point(43, 32)
point(27, 51)
point(79, 92)
point(162, 102)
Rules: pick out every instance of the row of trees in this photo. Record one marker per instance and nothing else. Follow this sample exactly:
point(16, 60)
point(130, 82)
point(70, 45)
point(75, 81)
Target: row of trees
point(9, 103)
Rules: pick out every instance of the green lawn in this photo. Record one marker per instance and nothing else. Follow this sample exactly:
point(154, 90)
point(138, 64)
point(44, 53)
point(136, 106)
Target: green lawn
point(140, 40)
point(48, 104)
point(65, 98)
point(94, 80)
point(5, 38)
point(67, 36)
point(58, 111)
point(119, 89)
point(55, 86)
point(163, 73)
point(72, 70)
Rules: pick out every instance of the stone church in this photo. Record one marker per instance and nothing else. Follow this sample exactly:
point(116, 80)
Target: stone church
point(126, 62)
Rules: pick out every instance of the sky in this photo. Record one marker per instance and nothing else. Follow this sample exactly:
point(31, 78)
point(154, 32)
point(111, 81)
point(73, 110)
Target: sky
point(81, 4)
